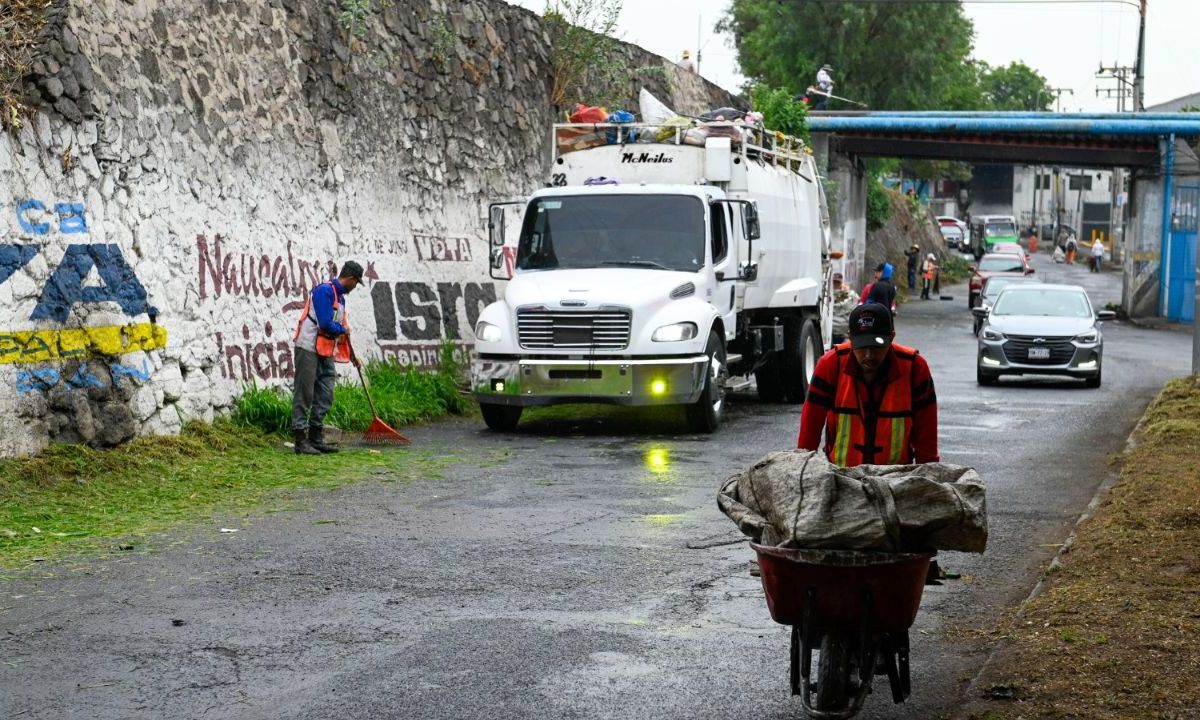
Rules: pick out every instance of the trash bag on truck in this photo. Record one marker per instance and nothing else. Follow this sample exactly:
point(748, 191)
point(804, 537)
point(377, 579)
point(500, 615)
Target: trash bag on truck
point(799, 499)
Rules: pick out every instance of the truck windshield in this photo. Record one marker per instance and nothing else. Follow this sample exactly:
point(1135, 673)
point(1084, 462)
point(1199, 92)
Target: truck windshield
point(663, 232)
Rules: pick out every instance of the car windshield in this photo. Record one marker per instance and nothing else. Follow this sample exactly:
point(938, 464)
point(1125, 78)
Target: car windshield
point(1043, 303)
point(1000, 229)
point(664, 232)
point(995, 285)
point(1001, 263)
point(949, 231)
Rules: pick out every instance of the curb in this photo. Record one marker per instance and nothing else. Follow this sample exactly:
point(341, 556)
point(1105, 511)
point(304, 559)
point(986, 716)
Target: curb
point(1131, 442)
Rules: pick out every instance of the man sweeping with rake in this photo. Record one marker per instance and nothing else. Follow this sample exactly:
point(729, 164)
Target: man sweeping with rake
point(322, 339)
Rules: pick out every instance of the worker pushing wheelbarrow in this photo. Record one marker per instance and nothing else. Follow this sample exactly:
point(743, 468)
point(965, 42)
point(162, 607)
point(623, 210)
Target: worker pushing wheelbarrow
point(844, 554)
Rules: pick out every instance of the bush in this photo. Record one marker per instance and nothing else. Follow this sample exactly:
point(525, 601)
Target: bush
point(879, 205)
point(953, 268)
point(402, 394)
point(781, 111)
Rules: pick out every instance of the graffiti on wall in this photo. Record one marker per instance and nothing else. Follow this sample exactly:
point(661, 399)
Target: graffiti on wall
point(84, 377)
point(84, 276)
point(411, 318)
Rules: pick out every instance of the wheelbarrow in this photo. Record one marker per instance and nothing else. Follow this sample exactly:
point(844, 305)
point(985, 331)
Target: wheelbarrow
point(855, 609)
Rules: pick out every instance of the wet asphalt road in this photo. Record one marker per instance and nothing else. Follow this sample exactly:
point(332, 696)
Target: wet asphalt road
point(574, 569)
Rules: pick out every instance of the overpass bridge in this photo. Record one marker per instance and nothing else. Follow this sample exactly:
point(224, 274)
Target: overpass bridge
point(1159, 253)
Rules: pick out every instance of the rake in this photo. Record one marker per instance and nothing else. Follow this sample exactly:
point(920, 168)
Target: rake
point(378, 432)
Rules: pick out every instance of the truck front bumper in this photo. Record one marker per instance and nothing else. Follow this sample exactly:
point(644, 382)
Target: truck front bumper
point(661, 381)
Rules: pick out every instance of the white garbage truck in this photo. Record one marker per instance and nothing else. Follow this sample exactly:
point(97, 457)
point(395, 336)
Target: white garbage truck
point(660, 266)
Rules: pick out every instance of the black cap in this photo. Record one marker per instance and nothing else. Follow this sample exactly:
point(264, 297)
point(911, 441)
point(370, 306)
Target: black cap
point(351, 269)
point(870, 326)
point(879, 267)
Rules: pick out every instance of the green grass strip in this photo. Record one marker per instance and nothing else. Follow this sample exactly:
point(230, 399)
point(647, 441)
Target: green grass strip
point(72, 499)
point(402, 394)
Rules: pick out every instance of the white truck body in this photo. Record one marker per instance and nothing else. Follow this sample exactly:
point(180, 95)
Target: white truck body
point(655, 290)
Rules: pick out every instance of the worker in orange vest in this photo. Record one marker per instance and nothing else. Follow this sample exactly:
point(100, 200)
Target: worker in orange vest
point(322, 339)
point(874, 399)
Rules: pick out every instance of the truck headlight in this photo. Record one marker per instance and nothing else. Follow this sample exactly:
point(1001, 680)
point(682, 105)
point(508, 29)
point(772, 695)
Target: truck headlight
point(675, 333)
point(487, 332)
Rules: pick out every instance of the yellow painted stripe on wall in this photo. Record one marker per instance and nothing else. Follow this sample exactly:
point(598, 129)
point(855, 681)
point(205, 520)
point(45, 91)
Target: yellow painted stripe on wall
point(33, 346)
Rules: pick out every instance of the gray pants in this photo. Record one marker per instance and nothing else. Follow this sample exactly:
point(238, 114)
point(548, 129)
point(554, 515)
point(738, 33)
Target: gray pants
point(312, 395)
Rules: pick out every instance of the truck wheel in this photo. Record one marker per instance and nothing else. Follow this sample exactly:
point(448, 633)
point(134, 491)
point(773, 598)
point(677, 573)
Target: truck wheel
point(705, 414)
point(501, 418)
point(803, 349)
point(769, 379)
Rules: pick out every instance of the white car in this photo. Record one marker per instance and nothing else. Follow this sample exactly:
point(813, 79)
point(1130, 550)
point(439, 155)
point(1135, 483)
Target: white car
point(1041, 329)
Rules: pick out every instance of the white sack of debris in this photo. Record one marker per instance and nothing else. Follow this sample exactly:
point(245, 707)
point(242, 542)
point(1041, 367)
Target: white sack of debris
point(799, 499)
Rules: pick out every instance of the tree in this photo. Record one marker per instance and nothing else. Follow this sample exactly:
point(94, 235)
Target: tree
point(892, 56)
point(1015, 86)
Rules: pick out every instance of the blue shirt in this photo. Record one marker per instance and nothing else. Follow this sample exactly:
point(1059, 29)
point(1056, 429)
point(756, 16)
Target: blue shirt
point(322, 307)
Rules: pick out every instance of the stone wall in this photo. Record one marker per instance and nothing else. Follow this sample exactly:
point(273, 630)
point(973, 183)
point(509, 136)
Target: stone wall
point(195, 167)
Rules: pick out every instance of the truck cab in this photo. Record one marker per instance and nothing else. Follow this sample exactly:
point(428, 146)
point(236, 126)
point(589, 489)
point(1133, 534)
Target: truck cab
point(669, 286)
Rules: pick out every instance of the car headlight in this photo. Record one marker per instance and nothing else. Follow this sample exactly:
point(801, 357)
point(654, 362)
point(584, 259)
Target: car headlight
point(1090, 336)
point(675, 333)
point(990, 334)
point(487, 332)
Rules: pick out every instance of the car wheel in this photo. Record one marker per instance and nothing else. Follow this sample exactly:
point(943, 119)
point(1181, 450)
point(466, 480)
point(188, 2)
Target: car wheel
point(984, 378)
point(1094, 382)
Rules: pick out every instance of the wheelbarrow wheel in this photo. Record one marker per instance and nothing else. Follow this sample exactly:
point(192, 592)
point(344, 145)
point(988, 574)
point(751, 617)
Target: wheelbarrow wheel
point(833, 672)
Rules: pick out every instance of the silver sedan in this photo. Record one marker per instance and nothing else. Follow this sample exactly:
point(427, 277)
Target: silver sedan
point(1041, 329)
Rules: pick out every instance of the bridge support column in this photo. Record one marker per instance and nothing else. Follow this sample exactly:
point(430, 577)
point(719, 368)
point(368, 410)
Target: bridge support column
point(1143, 245)
point(845, 185)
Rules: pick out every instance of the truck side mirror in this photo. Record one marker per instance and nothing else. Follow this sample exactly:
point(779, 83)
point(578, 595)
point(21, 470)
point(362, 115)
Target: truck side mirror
point(753, 228)
point(496, 224)
point(748, 271)
point(497, 258)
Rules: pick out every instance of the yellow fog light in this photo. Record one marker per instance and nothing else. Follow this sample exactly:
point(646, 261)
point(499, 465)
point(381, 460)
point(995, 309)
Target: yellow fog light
point(658, 387)
point(498, 386)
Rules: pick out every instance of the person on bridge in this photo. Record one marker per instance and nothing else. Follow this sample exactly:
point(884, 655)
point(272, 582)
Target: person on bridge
point(1097, 255)
point(322, 339)
point(824, 87)
point(873, 400)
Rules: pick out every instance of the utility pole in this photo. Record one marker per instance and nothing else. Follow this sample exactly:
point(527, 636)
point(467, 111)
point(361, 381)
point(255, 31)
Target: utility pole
point(1058, 93)
point(1125, 88)
point(1139, 76)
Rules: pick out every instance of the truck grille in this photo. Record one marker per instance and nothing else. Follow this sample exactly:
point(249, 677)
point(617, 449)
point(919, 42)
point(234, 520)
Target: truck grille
point(539, 328)
point(1016, 350)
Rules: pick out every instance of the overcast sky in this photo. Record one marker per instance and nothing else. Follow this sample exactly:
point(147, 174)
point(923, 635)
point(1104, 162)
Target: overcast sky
point(1064, 42)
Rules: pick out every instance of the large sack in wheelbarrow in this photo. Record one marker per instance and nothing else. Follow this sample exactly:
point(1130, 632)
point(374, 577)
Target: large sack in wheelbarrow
point(799, 499)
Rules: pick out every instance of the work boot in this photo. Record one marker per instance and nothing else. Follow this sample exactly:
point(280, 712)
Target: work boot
point(303, 446)
point(316, 438)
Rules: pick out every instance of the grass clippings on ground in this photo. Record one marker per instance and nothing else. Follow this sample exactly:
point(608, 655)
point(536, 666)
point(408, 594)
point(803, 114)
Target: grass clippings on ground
point(1116, 631)
point(73, 500)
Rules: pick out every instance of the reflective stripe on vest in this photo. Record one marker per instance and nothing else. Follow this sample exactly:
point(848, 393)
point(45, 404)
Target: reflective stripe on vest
point(848, 441)
point(336, 347)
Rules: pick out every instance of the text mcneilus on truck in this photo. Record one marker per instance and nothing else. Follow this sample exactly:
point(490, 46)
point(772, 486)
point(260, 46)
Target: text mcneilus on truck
point(665, 272)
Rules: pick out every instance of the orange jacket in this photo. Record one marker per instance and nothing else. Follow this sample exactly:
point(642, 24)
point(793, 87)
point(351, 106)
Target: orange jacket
point(894, 423)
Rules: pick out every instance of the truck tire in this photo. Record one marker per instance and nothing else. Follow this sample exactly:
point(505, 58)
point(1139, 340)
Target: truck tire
point(768, 377)
point(704, 415)
point(501, 418)
point(803, 348)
